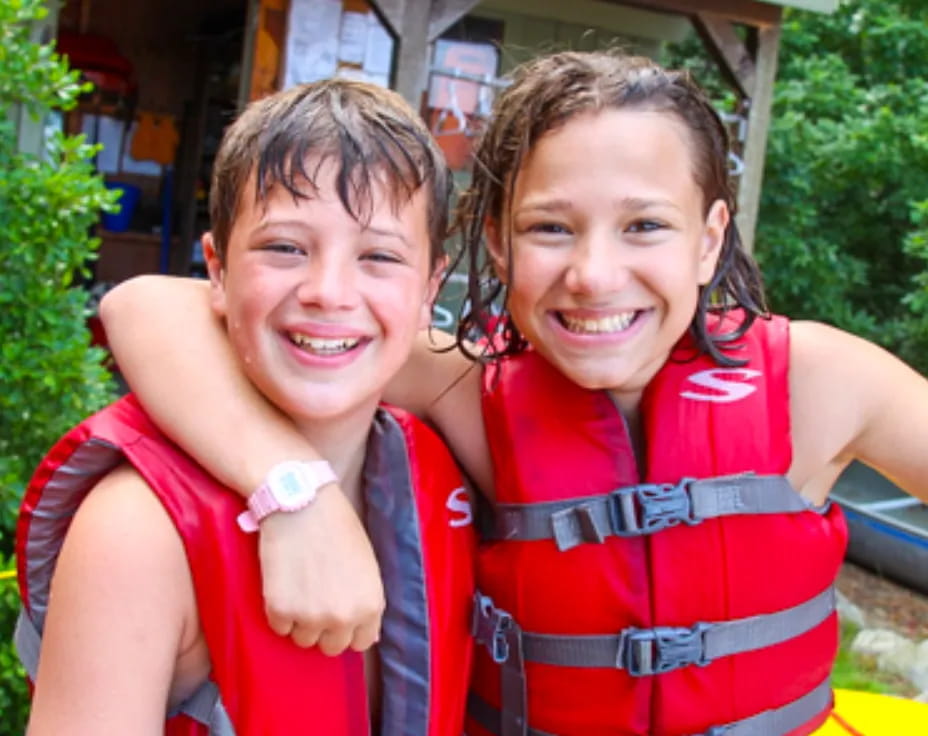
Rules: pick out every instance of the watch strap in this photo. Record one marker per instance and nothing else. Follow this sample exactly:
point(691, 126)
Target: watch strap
point(262, 502)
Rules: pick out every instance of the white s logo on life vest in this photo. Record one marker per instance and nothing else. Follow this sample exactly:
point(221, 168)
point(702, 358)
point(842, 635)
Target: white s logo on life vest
point(727, 390)
point(459, 503)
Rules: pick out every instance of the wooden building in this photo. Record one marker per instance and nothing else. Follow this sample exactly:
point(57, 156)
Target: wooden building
point(172, 73)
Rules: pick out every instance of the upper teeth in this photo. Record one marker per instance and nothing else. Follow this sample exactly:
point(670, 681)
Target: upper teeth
point(324, 345)
point(612, 323)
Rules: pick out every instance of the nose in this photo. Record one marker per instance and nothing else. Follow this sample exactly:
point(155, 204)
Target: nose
point(597, 265)
point(329, 282)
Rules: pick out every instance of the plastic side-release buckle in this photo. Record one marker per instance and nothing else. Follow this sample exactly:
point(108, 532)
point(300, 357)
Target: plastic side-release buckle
point(489, 626)
point(644, 652)
point(650, 507)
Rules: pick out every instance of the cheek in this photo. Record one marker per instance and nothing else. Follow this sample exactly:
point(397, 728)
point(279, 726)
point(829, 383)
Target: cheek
point(399, 305)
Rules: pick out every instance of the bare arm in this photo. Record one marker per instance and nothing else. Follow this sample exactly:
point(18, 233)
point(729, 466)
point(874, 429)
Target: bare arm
point(121, 610)
point(853, 400)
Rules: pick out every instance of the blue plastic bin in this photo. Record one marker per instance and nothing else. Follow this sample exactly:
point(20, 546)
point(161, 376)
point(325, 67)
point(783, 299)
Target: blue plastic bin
point(119, 221)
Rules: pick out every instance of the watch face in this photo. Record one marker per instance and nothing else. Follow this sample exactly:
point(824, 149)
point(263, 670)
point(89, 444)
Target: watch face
point(290, 485)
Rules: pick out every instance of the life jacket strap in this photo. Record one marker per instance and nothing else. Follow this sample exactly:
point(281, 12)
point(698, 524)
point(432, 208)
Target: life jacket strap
point(495, 629)
point(28, 642)
point(203, 706)
point(773, 722)
point(645, 652)
point(645, 508)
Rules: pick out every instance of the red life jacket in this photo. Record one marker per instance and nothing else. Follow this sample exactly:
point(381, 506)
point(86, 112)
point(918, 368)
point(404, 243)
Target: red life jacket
point(417, 516)
point(646, 563)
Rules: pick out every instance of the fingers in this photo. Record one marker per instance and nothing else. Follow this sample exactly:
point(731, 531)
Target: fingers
point(335, 641)
point(306, 636)
point(332, 634)
point(321, 581)
point(366, 636)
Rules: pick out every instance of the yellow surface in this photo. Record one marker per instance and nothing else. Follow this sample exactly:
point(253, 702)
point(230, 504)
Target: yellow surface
point(876, 715)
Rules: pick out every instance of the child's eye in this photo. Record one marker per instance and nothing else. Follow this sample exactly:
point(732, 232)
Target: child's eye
point(288, 248)
point(645, 226)
point(380, 256)
point(548, 228)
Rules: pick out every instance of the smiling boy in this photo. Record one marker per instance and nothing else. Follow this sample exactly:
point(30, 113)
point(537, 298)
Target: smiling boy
point(328, 207)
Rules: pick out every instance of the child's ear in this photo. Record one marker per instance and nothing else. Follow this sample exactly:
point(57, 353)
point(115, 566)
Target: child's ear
point(493, 235)
point(431, 294)
point(216, 275)
point(713, 237)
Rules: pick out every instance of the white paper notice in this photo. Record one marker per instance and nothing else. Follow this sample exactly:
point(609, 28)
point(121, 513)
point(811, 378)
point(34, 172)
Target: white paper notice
point(352, 41)
point(108, 131)
point(312, 40)
point(378, 56)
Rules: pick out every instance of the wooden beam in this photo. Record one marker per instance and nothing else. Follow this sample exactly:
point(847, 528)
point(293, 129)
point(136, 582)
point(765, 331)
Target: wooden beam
point(409, 20)
point(445, 13)
point(621, 20)
point(734, 59)
point(755, 146)
point(415, 24)
point(748, 12)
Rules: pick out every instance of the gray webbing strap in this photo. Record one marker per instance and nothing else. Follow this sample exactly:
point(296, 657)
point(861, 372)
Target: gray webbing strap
point(643, 652)
point(28, 642)
point(644, 509)
point(779, 721)
point(503, 638)
point(773, 722)
point(206, 707)
point(203, 706)
point(489, 717)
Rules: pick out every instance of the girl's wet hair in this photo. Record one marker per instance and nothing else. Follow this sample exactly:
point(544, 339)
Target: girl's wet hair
point(546, 93)
point(372, 135)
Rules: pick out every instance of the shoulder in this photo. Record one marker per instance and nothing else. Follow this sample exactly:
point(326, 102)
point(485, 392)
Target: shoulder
point(850, 398)
point(828, 365)
point(122, 541)
point(121, 610)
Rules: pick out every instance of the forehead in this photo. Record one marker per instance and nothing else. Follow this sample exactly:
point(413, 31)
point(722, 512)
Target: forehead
point(631, 151)
point(370, 198)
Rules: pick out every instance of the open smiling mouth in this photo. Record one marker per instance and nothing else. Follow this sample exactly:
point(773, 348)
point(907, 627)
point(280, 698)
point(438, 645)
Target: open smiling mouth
point(618, 322)
point(323, 345)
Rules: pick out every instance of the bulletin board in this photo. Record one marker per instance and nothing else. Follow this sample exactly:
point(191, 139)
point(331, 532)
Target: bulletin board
point(345, 38)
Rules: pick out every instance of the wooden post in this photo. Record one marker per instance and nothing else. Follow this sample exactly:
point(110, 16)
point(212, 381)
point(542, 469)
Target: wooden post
point(415, 24)
point(755, 146)
point(730, 53)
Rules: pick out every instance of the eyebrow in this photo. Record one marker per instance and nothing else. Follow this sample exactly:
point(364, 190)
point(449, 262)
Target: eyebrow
point(303, 225)
point(635, 204)
point(388, 233)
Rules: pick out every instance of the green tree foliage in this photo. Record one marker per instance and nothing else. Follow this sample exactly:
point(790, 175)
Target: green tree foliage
point(51, 377)
point(841, 234)
point(843, 222)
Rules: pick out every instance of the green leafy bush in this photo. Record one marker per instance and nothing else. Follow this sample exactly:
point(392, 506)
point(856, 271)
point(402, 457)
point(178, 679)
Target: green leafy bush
point(51, 376)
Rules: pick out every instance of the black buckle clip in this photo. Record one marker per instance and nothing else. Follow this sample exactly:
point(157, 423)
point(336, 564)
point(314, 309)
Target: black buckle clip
point(650, 507)
point(489, 626)
point(644, 652)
